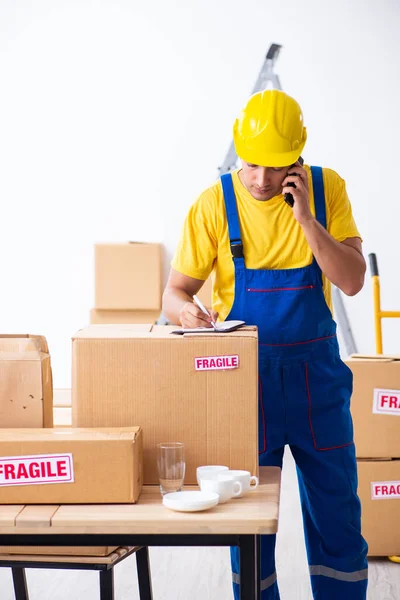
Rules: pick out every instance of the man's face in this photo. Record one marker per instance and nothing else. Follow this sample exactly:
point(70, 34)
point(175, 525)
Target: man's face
point(263, 183)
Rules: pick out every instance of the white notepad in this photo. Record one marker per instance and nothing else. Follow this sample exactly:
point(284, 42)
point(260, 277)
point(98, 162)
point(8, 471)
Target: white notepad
point(223, 327)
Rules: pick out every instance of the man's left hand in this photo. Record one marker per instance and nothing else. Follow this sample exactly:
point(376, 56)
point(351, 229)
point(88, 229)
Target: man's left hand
point(301, 208)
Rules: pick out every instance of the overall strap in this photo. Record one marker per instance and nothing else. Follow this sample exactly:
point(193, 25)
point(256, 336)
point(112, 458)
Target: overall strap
point(233, 219)
point(319, 195)
point(319, 202)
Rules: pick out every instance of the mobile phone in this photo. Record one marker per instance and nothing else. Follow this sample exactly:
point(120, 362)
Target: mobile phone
point(289, 197)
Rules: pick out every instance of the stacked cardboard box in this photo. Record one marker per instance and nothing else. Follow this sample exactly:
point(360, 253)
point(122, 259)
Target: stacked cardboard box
point(26, 387)
point(199, 389)
point(71, 466)
point(376, 415)
point(46, 466)
point(40, 465)
point(128, 283)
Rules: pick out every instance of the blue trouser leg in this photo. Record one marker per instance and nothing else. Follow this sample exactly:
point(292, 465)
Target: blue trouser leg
point(269, 586)
point(332, 522)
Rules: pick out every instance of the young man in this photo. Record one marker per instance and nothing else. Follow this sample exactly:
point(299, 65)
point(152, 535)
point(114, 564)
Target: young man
point(272, 266)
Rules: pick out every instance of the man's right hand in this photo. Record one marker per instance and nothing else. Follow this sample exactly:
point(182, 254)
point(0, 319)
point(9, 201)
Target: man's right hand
point(191, 316)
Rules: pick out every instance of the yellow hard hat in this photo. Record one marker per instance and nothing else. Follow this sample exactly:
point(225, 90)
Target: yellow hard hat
point(270, 130)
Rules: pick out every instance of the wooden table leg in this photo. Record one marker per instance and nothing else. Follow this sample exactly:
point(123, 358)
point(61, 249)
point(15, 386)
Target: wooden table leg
point(258, 566)
point(247, 560)
point(107, 584)
point(144, 576)
point(20, 587)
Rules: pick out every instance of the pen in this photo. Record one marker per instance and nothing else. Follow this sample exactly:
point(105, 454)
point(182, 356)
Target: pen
point(203, 308)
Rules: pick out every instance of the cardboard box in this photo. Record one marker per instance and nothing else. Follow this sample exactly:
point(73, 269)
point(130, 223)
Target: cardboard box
point(375, 405)
point(70, 466)
point(26, 387)
point(128, 276)
point(121, 317)
point(146, 375)
point(59, 550)
point(379, 491)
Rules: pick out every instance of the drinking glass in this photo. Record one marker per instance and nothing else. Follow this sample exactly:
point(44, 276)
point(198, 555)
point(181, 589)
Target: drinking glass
point(171, 466)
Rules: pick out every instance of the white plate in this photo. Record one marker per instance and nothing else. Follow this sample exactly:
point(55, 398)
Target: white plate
point(190, 501)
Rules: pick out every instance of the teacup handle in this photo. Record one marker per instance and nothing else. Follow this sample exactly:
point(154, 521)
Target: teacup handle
point(254, 479)
point(239, 489)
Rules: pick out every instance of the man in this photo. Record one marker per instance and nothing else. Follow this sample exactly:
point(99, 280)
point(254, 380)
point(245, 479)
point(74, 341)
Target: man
point(272, 266)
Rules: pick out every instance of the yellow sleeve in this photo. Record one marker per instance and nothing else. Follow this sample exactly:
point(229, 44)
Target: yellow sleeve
point(197, 248)
point(340, 220)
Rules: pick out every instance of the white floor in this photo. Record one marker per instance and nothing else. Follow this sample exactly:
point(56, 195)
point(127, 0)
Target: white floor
point(204, 573)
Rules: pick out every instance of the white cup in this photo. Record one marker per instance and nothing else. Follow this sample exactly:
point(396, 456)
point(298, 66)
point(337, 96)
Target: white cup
point(223, 485)
point(208, 471)
point(245, 478)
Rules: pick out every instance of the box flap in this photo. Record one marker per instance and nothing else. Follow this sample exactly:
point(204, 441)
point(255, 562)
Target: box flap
point(68, 433)
point(108, 244)
point(114, 331)
point(374, 357)
point(42, 342)
point(15, 346)
point(144, 243)
point(30, 356)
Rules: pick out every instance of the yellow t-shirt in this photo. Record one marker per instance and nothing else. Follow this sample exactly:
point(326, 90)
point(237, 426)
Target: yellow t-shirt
point(271, 236)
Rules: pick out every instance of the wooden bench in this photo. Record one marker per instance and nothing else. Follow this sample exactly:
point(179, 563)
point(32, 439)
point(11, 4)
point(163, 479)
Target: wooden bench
point(104, 564)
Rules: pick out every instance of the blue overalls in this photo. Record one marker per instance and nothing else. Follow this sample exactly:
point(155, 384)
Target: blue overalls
point(304, 401)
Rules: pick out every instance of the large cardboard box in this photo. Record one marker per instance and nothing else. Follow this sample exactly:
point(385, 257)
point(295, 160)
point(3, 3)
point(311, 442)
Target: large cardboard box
point(170, 386)
point(108, 317)
point(70, 466)
point(128, 276)
point(379, 491)
point(59, 550)
point(26, 387)
point(375, 405)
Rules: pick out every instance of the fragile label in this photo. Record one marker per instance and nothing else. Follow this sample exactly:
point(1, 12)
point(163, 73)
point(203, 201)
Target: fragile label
point(382, 490)
point(386, 402)
point(36, 469)
point(216, 363)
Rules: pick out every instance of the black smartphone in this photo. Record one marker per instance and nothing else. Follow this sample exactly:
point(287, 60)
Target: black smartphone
point(289, 197)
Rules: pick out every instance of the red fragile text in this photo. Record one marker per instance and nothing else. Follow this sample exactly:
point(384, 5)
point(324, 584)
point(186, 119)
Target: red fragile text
point(216, 363)
point(33, 470)
point(386, 489)
point(386, 402)
point(25, 470)
point(389, 402)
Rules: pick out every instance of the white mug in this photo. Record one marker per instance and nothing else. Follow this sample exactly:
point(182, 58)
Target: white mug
point(208, 471)
point(245, 478)
point(223, 485)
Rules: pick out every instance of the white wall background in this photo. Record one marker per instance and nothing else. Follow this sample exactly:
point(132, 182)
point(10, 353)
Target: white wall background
point(115, 115)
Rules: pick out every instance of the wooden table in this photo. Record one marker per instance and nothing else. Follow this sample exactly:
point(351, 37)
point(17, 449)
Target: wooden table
point(240, 522)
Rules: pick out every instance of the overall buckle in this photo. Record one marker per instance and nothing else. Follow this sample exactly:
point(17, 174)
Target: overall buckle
point(237, 249)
